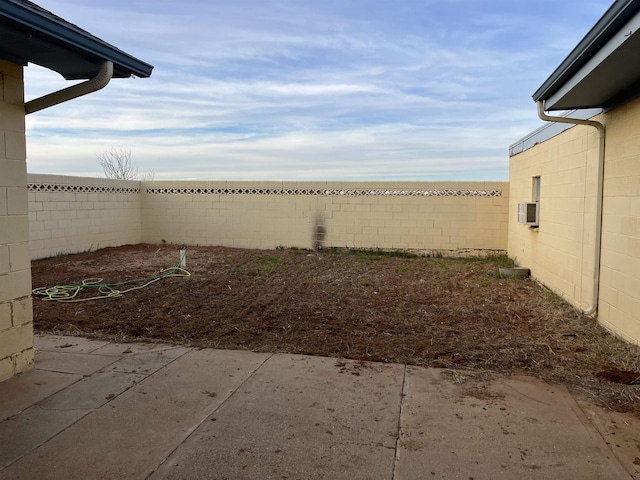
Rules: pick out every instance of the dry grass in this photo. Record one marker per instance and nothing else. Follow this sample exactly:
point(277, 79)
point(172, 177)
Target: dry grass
point(439, 312)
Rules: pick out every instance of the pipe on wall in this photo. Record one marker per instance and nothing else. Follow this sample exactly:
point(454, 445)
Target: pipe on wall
point(599, 197)
point(101, 80)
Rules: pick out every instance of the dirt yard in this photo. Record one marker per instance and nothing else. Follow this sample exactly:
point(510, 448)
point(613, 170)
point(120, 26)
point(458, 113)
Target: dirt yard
point(375, 306)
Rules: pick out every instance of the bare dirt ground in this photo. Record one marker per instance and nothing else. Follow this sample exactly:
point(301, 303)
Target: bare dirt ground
point(363, 305)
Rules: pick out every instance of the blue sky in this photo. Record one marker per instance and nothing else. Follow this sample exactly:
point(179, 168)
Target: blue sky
point(309, 90)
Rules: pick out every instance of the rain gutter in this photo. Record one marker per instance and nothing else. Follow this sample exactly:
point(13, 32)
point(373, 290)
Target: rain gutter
point(597, 250)
point(94, 84)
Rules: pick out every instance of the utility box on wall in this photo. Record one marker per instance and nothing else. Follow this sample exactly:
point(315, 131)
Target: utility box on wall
point(529, 213)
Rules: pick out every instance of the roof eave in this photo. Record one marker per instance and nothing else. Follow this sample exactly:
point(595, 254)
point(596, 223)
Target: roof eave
point(616, 17)
point(66, 33)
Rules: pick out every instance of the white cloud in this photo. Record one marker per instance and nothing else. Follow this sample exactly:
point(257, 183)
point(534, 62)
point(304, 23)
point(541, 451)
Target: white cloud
point(310, 90)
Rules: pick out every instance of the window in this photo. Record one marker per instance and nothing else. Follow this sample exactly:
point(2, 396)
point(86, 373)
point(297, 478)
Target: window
point(535, 197)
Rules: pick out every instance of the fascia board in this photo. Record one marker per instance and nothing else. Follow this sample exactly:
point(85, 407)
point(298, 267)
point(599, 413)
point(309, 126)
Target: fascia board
point(73, 36)
point(616, 14)
point(607, 49)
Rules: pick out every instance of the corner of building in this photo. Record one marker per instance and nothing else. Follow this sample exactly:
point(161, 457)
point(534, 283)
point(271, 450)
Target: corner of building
point(16, 310)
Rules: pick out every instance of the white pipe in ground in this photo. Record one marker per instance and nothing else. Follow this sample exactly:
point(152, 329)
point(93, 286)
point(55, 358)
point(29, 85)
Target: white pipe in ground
point(183, 256)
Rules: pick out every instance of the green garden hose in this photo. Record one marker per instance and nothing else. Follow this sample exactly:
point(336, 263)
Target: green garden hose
point(69, 293)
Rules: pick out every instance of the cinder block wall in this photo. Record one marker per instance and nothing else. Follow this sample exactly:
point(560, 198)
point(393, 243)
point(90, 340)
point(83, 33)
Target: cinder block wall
point(71, 214)
point(620, 279)
point(560, 251)
point(75, 214)
point(444, 216)
point(16, 314)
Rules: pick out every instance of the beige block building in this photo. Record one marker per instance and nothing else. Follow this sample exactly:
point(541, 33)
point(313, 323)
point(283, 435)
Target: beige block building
point(32, 35)
point(16, 326)
point(583, 172)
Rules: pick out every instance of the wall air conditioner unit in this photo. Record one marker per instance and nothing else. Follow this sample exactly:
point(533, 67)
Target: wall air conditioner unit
point(529, 213)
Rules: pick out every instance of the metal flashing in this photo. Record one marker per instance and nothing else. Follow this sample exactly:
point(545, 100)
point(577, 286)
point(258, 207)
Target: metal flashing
point(550, 130)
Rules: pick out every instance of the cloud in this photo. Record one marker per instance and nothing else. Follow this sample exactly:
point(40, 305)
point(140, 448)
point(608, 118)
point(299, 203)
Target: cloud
point(310, 90)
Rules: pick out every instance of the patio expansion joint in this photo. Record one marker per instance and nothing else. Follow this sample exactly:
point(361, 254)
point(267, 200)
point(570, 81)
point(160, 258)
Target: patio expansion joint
point(403, 395)
point(207, 415)
point(83, 413)
point(58, 349)
point(65, 372)
point(79, 378)
point(68, 347)
point(112, 367)
point(53, 409)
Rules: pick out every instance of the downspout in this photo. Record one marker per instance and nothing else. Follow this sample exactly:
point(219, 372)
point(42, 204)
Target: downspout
point(96, 83)
point(597, 253)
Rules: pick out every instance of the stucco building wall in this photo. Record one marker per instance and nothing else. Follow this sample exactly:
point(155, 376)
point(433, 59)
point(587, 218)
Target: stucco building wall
point(16, 318)
point(560, 252)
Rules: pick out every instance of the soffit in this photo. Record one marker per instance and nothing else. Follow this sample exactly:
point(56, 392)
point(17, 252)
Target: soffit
point(603, 70)
point(30, 34)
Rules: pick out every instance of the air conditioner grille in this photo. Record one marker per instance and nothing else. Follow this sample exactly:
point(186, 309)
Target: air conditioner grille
point(529, 213)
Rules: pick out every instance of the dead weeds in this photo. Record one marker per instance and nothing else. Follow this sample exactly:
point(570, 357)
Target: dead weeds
point(452, 313)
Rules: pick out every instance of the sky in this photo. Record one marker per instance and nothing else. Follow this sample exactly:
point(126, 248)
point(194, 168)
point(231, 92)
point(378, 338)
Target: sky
point(337, 90)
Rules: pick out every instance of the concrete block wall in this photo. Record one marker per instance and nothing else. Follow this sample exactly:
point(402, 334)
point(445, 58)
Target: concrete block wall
point(182, 212)
point(16, 317)
point(426, 216)
point(620, 266)
point(75, 214)
point(560, 251)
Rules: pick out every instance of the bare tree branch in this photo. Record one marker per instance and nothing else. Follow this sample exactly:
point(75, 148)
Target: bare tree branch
point(116, 163)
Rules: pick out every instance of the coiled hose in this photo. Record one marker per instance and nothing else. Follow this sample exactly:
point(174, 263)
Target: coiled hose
point(70, 293)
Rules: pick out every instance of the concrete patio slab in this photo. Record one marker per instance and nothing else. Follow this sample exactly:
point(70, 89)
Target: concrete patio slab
point(68, 362)
point(33, 427)
point(504, 429)
point(621, 433)
point(91, 392)
point(68, 344)
point(230, 414)
point(299, 417)
point(133, 433)
point(148, 362)
point(132, 348)
point(23, 391)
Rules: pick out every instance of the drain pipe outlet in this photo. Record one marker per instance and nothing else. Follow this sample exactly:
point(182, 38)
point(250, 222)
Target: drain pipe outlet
point(96, 83)
point(183, 257)
point(597, 252)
